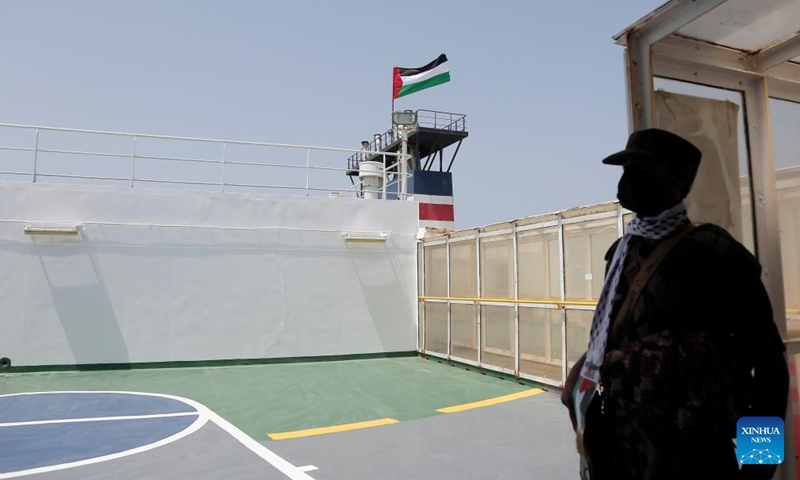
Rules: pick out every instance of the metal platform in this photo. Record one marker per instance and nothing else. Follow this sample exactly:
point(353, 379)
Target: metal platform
point(435, 131)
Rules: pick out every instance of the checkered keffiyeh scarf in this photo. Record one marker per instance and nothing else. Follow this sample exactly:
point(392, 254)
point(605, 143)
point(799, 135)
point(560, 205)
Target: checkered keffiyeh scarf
point(655, 228)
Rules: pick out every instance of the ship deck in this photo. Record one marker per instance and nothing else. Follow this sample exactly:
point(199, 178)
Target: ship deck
point(351, 419)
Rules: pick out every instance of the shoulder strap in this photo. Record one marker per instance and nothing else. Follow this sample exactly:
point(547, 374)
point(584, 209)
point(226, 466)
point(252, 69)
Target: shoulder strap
point(648, 268)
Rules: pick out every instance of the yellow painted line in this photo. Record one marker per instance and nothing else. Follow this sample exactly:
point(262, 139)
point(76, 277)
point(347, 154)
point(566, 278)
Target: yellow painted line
point(333, 429)
point(491, 401)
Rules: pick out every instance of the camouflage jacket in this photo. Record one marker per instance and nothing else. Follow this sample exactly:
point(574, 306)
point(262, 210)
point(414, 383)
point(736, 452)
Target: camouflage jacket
point(707, 325)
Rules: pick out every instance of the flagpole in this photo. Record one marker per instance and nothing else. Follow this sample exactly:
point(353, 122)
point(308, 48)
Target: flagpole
point(392, 112)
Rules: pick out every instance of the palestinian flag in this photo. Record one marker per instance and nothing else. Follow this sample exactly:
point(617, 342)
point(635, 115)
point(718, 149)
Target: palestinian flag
point(412, 80)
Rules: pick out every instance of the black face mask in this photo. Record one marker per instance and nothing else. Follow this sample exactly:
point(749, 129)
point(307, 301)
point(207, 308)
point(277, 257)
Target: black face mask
point(647, 192)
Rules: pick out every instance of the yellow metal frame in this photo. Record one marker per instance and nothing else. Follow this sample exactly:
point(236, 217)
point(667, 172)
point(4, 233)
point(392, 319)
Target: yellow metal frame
point(558, 303)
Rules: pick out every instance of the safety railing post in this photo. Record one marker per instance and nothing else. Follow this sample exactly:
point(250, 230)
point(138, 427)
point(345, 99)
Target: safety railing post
point(35, 154)
point(515, 256)
point(449, 294)
point(421, 324)
point(308, 169)
point(563, 294)
point(224, 161)
point(133, 163)
point(477, 304)
point(385, 179)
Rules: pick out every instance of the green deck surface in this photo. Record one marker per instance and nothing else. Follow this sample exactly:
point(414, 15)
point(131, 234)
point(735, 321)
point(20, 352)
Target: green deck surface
point(265, 399)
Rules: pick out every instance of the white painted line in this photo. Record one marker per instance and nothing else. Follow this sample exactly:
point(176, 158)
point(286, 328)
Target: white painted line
point(98, 419)
point(273, 458)
point(198, 423)
point(205, 414)
point(308, 468)
point(435, 199)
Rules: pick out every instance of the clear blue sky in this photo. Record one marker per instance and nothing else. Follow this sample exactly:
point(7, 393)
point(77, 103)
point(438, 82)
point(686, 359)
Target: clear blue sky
point(541, 82)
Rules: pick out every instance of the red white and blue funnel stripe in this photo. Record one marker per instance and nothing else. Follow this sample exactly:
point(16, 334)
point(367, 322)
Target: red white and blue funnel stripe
point(434, 192)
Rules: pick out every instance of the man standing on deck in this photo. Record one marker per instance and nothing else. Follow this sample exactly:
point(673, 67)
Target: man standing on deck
point(683, 341)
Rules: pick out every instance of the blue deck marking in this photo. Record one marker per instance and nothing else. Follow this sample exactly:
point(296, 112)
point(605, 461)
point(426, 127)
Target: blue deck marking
point(42, 432)
point(34, 446)
point(58, 406)
point(80, 426)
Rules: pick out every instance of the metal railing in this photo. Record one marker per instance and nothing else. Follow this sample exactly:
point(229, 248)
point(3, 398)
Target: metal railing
point(385, 191)
point(559, 260)
point(373, 151)
point(508, 324)
point(134, 154)
point(454, 122)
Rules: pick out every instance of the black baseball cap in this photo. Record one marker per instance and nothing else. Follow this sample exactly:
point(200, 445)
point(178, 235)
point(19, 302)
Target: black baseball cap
point(656, 145)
